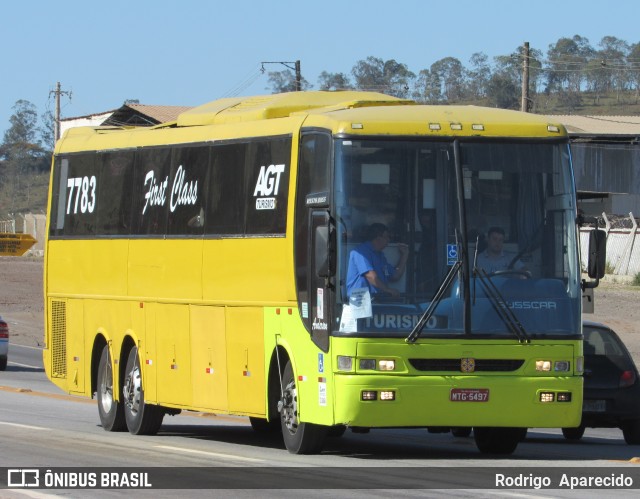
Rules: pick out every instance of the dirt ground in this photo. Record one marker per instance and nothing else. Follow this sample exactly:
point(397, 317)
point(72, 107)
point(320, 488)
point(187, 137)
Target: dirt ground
point(21, 304)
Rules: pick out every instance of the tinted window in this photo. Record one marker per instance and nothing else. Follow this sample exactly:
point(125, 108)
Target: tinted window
point(151, 191)
point(268, 165)
point(187, 195)
point(115, 193)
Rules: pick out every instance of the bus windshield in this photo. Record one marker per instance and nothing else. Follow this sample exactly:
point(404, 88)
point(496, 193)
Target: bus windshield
point(500, 212)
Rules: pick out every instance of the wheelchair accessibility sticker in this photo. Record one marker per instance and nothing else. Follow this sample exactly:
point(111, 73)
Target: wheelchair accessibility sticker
point(452, 254)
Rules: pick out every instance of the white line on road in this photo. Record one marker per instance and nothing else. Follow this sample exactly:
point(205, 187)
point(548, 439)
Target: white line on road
point(28, 427)
point(212, 454)
point(24, 365)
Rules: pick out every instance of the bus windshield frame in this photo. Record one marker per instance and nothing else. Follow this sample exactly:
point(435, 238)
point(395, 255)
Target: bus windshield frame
point(446, 201)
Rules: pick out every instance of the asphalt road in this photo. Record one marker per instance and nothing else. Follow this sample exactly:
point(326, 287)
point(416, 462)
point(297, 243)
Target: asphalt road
point(40, 427)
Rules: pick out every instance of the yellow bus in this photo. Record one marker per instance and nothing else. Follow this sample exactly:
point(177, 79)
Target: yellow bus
point(210, 264)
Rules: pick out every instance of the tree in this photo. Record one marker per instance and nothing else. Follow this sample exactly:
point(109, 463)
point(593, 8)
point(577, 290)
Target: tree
point(567, 60)
point(633, 62)
point(334, 81)
point(478, 76)
point(390, 77)
point(613, 58)
point(450, 73)
point(21, 152)
point(503, 92)
point(285, 81)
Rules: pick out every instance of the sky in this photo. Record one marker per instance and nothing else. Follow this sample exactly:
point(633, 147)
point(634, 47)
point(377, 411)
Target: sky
point(190, 52)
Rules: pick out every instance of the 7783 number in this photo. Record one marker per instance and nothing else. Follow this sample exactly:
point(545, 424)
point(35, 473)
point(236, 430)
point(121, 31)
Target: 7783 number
point(82, 195)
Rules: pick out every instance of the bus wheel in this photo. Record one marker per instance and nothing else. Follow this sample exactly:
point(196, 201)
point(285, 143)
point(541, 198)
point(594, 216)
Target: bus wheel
point(299, 438)
point(497, 440)
point(109, 409)
point(573, 433)
point(142, 419)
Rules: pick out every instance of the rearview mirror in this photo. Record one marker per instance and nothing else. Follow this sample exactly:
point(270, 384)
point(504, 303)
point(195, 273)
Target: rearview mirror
point(597, 254)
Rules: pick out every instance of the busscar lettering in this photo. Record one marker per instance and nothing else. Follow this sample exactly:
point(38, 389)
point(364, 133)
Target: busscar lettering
point(183, 192)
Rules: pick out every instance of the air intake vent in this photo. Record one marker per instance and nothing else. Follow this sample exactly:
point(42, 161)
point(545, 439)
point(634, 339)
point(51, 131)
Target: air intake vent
point(454, 365)
point(58, 339)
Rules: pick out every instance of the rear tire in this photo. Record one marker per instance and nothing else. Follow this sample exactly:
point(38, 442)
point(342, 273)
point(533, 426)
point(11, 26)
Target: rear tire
point(109, 409)
point(497, 440)
point(299, 438)
point(142, 419)
point(3, 363)
point(631, 432)
point(573, 433)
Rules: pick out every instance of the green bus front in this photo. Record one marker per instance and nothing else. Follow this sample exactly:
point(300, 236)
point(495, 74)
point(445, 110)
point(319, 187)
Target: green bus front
point(458, 345)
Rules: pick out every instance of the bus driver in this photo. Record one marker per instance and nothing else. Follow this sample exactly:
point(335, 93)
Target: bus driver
point(368, 267)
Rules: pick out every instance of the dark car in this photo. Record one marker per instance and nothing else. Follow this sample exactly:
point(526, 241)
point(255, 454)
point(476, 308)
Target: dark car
point(611, 385)
point(4, 344)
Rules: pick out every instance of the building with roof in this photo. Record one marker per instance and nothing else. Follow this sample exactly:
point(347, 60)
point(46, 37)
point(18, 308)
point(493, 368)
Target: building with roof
point(606, 158)
point(129, 114)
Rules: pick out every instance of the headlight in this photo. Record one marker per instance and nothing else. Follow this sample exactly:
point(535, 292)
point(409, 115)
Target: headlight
point(386, 365)
point(345, 363)
point(543, 365)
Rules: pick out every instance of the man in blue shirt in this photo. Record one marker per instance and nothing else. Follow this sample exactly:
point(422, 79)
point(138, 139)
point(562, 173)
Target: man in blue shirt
point(494, 258)
point(368, 267)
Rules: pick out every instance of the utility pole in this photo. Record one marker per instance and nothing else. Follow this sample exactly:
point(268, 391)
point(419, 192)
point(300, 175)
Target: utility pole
point(295, 67)
point(525, 79)
point(58, 92)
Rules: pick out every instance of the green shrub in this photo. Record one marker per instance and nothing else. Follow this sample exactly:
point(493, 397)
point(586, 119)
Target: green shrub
point(636, 279)
point(609, 268)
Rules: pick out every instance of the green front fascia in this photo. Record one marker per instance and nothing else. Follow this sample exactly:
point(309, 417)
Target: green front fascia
point(328, 396)
point(423, 399)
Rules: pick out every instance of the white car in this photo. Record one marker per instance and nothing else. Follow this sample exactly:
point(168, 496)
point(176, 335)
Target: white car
point(4, 344)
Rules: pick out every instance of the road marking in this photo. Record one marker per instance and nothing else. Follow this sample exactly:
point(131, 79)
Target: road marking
point(212, 454)
point(25, 365)
point(13, 345)
point(28, 427)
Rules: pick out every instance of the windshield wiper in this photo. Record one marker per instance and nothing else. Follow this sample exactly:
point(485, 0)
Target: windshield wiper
point(424, 318)
point(500, 305)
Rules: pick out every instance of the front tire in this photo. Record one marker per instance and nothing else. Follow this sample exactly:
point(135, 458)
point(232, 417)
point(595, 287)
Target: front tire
point(109, 409)
point(142, 419)
point(299, 438)
point(631, 432)
point(461, 431)
point(573, 433)
point(497, 440)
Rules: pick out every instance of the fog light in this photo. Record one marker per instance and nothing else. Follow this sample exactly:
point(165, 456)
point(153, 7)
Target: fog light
point(547, 396)
point(564, 397)
point(345, 363)
point(386, 365)
point(369, 364)
point(387, 395)
point(561, 366)
point(543, 365)
point(369, 395)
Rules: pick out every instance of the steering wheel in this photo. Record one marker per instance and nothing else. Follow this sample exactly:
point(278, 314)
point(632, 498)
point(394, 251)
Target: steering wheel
point(525, 274)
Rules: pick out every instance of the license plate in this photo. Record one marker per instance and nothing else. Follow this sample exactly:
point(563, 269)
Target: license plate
point(594, 405)
point(469, 395)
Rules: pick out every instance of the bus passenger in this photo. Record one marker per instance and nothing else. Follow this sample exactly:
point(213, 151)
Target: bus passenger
point(368, 267)
point(494, 258)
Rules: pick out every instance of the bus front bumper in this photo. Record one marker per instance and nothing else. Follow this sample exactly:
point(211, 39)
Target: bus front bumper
point(418, 401)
